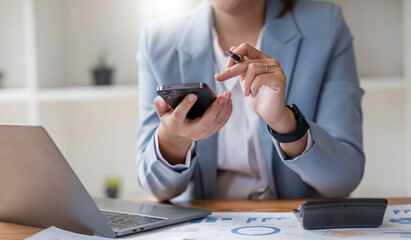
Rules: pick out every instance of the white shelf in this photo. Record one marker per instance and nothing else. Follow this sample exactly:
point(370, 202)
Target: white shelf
point(88, 93)
point(14, 95)
point(69, 94)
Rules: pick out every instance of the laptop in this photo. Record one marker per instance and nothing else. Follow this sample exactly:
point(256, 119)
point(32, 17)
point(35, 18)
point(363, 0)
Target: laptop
point(39, 188)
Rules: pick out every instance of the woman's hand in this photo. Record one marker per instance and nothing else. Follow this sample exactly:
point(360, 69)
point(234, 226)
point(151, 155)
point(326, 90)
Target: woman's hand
point(263, 83)
point(176, 132)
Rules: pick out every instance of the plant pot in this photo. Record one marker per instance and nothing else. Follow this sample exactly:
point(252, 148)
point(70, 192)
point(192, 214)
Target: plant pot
point(112, 192)
point(103, 76)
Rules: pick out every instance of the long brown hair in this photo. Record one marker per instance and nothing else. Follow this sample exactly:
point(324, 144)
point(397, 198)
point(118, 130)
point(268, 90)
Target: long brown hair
point(288, 6)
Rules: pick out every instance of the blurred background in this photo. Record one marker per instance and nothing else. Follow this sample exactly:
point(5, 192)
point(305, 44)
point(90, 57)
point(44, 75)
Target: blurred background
point(69, 65)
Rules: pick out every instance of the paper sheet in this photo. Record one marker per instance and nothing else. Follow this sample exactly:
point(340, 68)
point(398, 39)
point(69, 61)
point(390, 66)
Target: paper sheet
point(257, 225)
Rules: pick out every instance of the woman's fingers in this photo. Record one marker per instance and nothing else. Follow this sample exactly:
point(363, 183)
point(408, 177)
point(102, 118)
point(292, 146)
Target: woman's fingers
point(212, 120)
point(257, 66)
point(253, 70)
point(184, 107)
point(223, 117)
point(233, 71)
point(230, 61)
point(257, 69)
point(250, 52)
point(212, 112)
point(249, 70)
point(270, 80)
point(204, 127)
point(161, 106)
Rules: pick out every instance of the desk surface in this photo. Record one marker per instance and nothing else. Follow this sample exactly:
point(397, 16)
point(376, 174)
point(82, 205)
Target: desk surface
point(14, 231)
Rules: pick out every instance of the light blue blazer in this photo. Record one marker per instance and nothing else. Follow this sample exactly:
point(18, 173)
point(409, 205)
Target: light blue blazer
point(314, 47)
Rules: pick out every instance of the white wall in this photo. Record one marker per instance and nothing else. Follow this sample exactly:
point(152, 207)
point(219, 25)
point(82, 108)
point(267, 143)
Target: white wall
point(51, 47)
point(378, 35)
point(98, 140)
point(384, 142)
point(12, 61)
point(13, 113)
point(408, 138)
point(407, 74)
point(407, 166)
point(73, 33)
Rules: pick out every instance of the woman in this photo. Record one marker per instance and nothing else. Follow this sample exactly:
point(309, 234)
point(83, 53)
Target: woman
point(249, 144)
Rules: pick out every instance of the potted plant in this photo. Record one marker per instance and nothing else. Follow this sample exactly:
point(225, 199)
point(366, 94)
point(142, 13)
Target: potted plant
point(113, 186)
point(102, 72)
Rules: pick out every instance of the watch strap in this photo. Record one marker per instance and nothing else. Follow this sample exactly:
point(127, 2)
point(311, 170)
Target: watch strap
point(302, 128)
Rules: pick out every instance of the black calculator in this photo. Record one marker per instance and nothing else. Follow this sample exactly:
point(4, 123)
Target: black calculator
point(342, 213)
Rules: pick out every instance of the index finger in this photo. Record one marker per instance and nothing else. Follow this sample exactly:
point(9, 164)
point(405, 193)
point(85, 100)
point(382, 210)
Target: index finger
point(233, 71)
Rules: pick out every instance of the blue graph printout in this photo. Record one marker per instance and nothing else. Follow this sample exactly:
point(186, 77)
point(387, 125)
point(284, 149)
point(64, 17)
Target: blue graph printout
point(278, 226)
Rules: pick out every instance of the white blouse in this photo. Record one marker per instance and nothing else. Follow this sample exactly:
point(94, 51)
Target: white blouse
point(240, 163)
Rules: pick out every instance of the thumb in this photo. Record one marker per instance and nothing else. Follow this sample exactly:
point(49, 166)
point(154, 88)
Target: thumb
point(161, 106)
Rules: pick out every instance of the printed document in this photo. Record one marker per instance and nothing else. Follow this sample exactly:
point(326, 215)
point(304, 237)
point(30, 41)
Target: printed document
point(257, 225)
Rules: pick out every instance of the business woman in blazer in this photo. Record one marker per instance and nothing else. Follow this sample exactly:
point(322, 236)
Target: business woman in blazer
point(303, 55)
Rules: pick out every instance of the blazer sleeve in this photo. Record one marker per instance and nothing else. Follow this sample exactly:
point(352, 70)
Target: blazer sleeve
point(153, 175)
point(334, 165)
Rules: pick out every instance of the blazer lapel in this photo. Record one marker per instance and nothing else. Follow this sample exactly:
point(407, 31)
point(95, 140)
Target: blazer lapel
point(196, 63)
point(281, 39)
point(195, 50)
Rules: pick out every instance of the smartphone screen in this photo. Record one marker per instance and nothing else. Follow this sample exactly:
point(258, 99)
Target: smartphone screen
point(173, 94)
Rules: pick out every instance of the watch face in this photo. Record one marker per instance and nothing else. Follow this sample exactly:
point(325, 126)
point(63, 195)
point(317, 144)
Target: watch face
point(299, 115)
point(295, 109)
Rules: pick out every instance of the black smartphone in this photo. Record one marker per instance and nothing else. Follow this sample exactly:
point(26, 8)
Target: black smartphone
point(173, 94)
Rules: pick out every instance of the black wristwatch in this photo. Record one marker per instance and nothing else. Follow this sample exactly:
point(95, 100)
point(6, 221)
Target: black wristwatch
point(302, 129)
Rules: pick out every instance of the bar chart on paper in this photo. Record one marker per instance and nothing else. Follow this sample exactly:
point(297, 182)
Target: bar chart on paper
point(262, 226)
point(250, 228)
point(227, 225)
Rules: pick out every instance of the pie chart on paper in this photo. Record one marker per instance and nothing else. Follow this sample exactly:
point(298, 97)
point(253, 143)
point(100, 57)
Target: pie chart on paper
point(255, 230)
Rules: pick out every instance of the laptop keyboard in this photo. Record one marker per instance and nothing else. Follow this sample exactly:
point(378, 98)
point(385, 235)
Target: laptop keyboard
point(121, 221)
